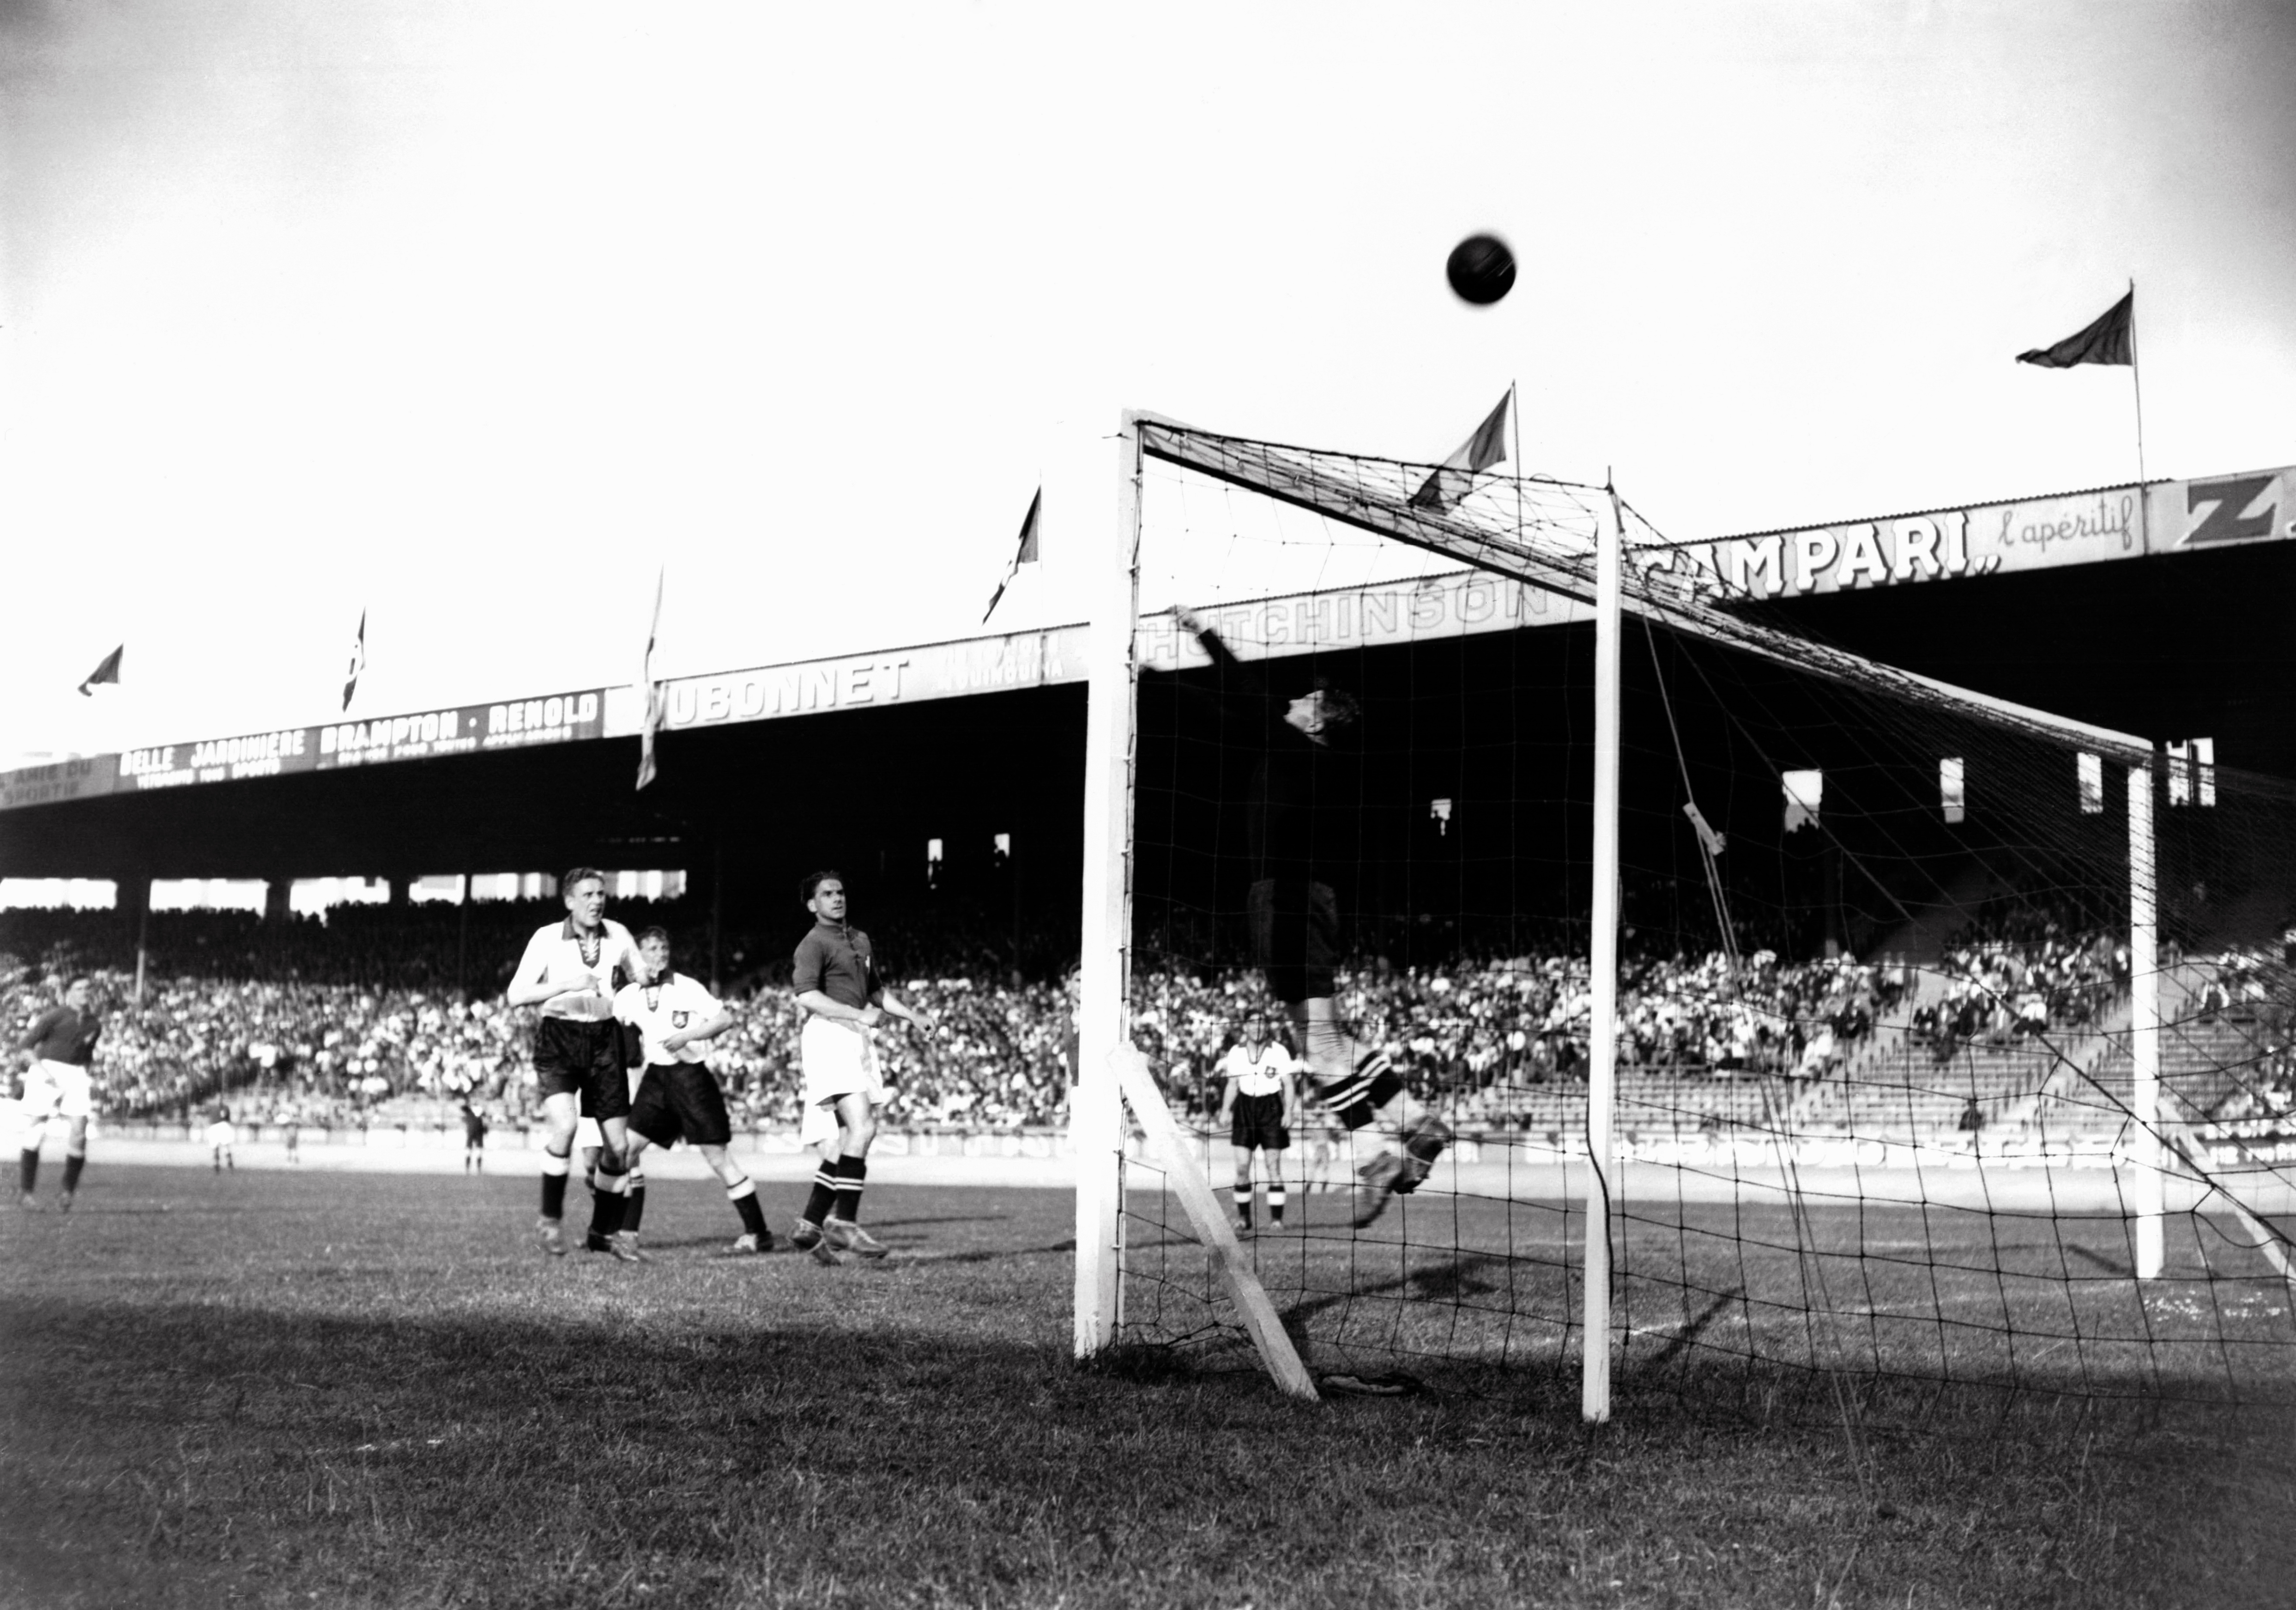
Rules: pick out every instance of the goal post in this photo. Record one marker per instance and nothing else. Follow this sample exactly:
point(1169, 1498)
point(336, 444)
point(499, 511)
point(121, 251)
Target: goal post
point(1602, 977)
point(1596, 1013)
point(1096, 1106)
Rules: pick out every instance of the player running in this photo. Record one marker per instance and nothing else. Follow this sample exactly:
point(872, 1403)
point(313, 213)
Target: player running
point(678, 1094)
point(1300, 809)
point(1260, 1101)
point(573, 971)
point(837, 984)
point(58, 1050)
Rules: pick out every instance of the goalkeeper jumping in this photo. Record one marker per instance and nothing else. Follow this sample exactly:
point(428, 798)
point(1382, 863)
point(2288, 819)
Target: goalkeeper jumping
point(1301, 813)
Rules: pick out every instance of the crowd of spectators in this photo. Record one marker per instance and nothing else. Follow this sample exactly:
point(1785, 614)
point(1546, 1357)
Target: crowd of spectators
point(2023, 965)
point(330, 1022)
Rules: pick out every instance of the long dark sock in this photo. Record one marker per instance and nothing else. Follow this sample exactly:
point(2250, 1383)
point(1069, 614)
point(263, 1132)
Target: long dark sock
point(1243, 1203)
point(74, 1162)
point(851, 1172)
point(606, 1206)
point(824, 1192)
point(1276, 1201)
point(744, 1197)
point(27, 1169)
point(555, 1166)
point(634, 1202)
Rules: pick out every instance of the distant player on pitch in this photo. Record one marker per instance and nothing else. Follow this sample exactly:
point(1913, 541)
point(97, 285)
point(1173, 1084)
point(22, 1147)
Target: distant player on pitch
point(221, 1137)
point(1302, 809)
point(572, 970)
point(1260, 1101)
point(678, 1094)
point(57, 1053)
point(836, 982)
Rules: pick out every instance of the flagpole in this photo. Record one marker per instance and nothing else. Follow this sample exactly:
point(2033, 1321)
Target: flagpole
point(2136, 379)
point(1514, 408)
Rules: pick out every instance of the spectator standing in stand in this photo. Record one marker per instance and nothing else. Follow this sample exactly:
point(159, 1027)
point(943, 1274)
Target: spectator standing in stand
point(57, 1051)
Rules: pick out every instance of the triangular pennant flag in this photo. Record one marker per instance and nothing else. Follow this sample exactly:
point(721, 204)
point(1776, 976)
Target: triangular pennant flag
point(358, 661)
point(107, 671)
point(1027, 553)
point(2111, 340)
point(655, 703)
point(1452, 480)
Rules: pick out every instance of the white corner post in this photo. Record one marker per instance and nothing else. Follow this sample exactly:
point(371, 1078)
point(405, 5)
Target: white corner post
point(2144, 1151)
point(1096, 1106)
point(1603, 972)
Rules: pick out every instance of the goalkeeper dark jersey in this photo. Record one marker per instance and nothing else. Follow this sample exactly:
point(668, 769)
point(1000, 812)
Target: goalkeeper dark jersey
point(1302, 800)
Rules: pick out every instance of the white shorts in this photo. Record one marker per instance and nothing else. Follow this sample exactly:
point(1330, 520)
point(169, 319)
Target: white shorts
point(56, 1089)
point(221, 1134)
point(838, 1060)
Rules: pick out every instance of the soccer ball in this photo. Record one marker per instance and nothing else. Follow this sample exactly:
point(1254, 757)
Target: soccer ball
point(1481, 269)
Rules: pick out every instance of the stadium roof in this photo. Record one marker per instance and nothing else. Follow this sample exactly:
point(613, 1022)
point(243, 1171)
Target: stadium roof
point(1879, 556)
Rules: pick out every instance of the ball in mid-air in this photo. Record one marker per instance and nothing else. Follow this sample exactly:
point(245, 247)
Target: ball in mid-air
point(1481, 269)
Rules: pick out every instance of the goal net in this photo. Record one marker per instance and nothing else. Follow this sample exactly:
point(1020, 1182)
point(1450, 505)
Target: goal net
point(1947, 1038)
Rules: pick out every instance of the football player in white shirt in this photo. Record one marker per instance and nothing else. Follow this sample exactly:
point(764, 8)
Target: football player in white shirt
point(1260, 1101)
point(680, 1096)
point(572, 970)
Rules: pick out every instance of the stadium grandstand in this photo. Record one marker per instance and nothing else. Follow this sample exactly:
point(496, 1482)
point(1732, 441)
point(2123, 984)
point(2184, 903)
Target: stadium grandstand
point(964, 850)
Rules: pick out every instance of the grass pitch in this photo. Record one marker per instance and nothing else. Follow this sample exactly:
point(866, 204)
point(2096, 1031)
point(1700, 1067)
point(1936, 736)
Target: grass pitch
point(282, 1389)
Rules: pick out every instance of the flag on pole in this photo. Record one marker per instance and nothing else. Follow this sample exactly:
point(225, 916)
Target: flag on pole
point(2111, 340)
point(650, 690)
point(1453, 478)
point(1027, 554)
point(358, 661)
point(107, 671)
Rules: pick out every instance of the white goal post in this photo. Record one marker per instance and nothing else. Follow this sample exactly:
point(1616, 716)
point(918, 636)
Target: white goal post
point(1110, 1074)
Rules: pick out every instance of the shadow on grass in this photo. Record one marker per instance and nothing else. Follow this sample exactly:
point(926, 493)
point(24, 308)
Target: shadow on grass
point(165, 1453)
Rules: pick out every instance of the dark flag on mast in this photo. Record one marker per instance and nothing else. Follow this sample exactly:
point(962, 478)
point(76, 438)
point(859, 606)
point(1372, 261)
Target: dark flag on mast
point(2111, 340)
point(108, 672)
point(653, 691)
point(1027, 554)
point(1455, 476)
point(357, 663)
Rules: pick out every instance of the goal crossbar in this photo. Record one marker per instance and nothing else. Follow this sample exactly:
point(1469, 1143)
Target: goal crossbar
point(1542, 531)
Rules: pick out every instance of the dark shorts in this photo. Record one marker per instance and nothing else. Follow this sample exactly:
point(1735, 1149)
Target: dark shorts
point(576, 1058)
point(681, 1100)
point(1355, 1100)
point(1295, 937)
point(1257, 1121)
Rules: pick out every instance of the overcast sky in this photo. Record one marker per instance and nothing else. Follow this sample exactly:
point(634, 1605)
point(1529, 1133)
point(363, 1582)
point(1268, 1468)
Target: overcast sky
point(468, 314)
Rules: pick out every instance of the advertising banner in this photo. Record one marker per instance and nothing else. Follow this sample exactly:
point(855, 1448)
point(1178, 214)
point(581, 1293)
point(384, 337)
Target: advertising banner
point(934, 670)
point(1461, 604)
point(1417, 609)
point(2224, 511)
point(515, 724)
point(1992, 539)
point(81, 777)
point(263, 754)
